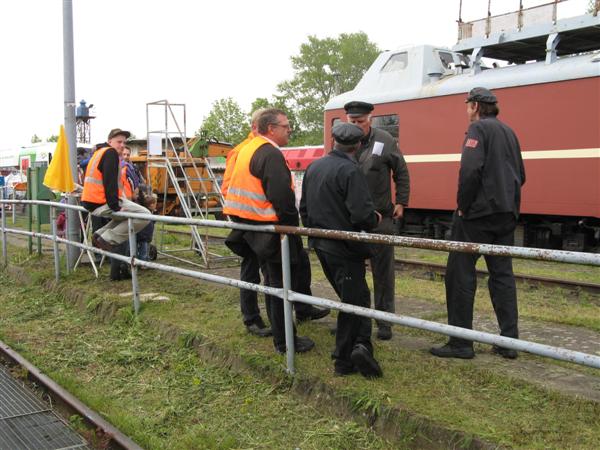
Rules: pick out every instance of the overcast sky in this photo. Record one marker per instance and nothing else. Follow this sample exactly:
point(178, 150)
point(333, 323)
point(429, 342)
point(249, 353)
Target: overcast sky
point(130, 52)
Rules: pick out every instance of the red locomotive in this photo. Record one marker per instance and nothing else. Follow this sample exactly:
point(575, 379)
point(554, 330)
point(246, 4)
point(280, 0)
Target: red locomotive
point(547, 80)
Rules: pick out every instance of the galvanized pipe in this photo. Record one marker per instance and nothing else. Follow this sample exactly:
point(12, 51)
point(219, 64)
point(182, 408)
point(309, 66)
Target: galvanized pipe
point(134, 280)
point(14, 210)
point(287, 305)
point(55, 244)
point(4, 243)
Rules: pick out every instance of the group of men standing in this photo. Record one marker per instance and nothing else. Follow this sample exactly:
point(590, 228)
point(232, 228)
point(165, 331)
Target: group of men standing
point(350, 189)
point(259, 189)
point(363, 185)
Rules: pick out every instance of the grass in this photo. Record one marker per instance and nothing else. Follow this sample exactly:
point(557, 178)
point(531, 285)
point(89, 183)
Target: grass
point(161, 393)
point(128, 359)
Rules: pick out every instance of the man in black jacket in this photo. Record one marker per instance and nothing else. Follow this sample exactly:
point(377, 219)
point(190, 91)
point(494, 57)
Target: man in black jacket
point(335, 196)
point(382, 163)
point(489, 197)
point(100, 195)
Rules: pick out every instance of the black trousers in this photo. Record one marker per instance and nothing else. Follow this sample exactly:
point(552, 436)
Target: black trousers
point(461, 277)
point(250, 272)
point(347, 277)
point(382, 267)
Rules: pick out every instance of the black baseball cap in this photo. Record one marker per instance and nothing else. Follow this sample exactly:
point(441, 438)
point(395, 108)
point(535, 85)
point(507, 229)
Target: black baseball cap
point(482, 95)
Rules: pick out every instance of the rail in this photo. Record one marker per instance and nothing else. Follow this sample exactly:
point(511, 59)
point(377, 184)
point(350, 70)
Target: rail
point(288, 296)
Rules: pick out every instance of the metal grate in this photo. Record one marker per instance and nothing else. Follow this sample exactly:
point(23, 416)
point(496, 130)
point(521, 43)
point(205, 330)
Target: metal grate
point(26, 422)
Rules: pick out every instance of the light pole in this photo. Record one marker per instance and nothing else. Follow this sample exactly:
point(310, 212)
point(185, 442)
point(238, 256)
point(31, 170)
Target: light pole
point(69, 95)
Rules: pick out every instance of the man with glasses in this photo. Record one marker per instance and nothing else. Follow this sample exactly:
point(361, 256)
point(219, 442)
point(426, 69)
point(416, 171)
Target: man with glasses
point(260, 192)
point(382, 163)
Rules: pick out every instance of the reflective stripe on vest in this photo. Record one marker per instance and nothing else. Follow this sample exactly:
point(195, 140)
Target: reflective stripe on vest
point(93, 185)
point(230, 163)
point(246, 198)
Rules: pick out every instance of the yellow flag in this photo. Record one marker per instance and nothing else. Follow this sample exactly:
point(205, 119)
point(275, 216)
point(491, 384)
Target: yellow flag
point(58, 176)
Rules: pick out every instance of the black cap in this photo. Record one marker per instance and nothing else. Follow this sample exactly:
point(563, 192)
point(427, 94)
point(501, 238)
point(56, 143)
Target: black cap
point(346, 133)
point(116, 132)
point(358, 108)
point(481, 94)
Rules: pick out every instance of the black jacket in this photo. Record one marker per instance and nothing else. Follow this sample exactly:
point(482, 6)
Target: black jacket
point(110, 168)
point(268, 164)
point(378, 166)
point(335, 196)
point(491, 170)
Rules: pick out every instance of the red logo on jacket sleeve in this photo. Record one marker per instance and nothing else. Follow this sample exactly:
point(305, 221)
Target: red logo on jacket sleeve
point(471, 143)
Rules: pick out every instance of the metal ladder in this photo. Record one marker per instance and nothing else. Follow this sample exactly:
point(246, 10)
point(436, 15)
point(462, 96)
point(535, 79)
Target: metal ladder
point(193, 204)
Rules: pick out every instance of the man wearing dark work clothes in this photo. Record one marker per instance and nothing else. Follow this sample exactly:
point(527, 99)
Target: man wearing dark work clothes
point(489, 197)
point(335, 196)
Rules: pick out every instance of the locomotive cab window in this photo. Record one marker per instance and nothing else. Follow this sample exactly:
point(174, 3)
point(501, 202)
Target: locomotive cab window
point(389, 123)
point(397, 62)
point(446, 59)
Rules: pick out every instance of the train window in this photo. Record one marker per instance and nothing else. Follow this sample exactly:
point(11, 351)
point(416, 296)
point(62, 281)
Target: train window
point(397, 62)
point(446, 59)
point(389, 123)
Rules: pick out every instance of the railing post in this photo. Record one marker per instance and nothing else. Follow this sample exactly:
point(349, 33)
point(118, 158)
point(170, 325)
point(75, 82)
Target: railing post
point(55, 244)
point(14, 206)
point(287, 305)
point(4, 249)
point(133, 254)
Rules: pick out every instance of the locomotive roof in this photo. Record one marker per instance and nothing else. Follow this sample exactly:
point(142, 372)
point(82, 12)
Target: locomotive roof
point(577, 35)
point(429, 71)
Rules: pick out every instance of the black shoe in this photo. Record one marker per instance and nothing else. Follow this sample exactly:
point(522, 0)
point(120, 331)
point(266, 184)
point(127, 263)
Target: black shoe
point(384, 333)
point(302, 344)
point(258, 328)
point(449, 351)
point(343, 368)
point(313, 314)
point(365, 363)
point(99, 242)
point(507, 353)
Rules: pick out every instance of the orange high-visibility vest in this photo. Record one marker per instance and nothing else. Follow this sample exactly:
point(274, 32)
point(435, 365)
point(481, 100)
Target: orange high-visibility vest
point(245, 197)
point(127, 188)
point(93, 186)
point(230, 163)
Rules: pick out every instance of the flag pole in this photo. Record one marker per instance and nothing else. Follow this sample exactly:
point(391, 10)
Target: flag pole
point(69, 93)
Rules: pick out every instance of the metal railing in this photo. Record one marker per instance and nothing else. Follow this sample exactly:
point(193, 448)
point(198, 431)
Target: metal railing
point(288, 295)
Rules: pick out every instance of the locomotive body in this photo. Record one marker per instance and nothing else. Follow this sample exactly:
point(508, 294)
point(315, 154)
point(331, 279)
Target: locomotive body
point(549, 94)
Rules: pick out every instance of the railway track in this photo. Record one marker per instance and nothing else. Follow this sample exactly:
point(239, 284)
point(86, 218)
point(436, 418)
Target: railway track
point(532, 280)
point(66, 403)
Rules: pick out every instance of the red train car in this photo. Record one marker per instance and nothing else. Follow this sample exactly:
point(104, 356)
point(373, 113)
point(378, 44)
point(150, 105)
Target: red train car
point(547, 80)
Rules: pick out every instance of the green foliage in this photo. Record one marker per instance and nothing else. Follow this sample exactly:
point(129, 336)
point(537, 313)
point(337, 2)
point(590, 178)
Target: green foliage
point(53, 138)
point(226, 122)
point(591, 6)
point(35, 139)
point(324, 68)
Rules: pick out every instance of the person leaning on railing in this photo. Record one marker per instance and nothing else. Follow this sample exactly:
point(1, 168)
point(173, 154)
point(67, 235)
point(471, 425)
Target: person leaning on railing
point(103, 193)
point(260, 193)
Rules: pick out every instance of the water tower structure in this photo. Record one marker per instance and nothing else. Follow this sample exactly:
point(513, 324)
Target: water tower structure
point(82, 121)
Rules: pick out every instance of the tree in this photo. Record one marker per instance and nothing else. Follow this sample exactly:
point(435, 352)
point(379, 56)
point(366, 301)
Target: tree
point(591, 8)
point(298, 136)
point(324, 68)
point(35, 139)
point(53, 138)
point(226, 122)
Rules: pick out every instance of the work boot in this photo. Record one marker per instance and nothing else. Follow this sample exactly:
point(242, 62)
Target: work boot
point(313, 314)
point(450, 351)
point(384, 332)
point(364, 361)
point(99, 242)
point(302, 344)
point(258, 328)
point(342, 368)
point(507, 353)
